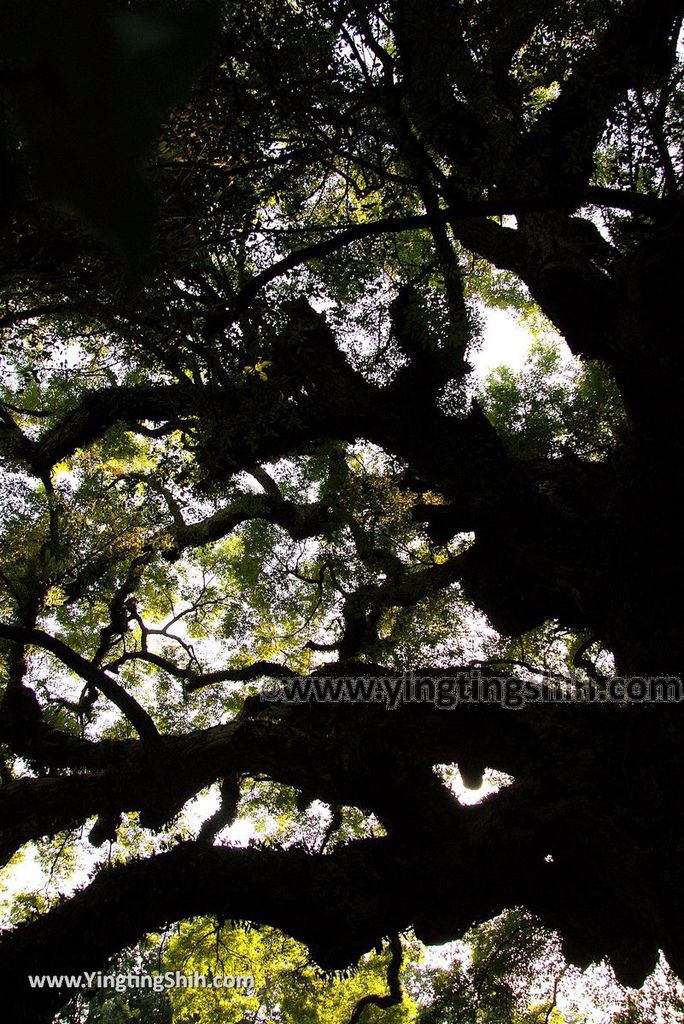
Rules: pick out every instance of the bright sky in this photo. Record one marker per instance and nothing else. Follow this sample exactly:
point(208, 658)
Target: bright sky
point(504, 342)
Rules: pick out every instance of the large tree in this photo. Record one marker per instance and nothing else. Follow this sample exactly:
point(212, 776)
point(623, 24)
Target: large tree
point(240, 441)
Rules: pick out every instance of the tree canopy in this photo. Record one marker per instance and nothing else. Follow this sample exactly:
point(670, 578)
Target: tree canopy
point(247, 255)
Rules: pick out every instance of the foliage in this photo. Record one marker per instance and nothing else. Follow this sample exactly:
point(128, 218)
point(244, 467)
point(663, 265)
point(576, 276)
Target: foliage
point(554, 407)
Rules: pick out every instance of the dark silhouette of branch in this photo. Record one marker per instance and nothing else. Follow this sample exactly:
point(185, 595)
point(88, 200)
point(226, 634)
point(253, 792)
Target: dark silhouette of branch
point(395, 994)
point(87, 670)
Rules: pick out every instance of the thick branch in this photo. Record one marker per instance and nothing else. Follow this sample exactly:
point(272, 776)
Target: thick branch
point(635, 44)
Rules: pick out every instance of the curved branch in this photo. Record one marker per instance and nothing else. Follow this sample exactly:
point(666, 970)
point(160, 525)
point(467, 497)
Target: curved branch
point(127, 705)
point(287, 889)
point(395, 994)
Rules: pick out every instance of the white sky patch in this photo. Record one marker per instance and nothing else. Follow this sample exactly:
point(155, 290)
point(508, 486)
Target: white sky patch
point(442, 957)
point(505, 342)
point(206, 804)
point(26, 875)
point(492, 782)
point(22, 874)
point(240, 832)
